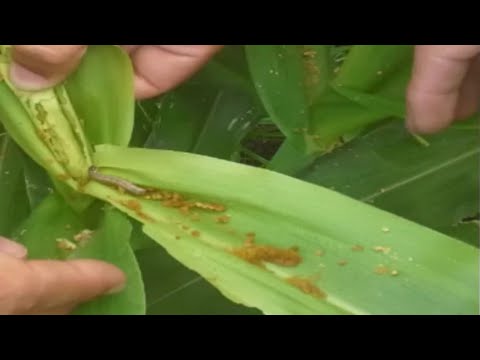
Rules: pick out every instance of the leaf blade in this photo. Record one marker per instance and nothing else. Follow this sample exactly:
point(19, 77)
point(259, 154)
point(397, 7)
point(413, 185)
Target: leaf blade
point(387, 177)
point(101, 90)
point(285, 212)
point(111, 244)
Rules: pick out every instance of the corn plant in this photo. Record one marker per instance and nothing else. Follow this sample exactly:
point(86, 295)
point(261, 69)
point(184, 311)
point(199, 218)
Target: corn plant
point(277, 180)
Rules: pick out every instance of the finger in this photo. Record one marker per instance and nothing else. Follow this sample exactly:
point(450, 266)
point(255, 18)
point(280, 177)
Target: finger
point(469, 100)
point(44, 285)
point(159, 68)
point(12, 248)
point(130, 48)
point(37, 67)
point(64, 310)
point(434, 90)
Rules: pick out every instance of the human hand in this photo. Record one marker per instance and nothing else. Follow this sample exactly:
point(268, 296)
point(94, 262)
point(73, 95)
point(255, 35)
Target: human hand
point(445, 86)
point(158, 68)
point(50, 287)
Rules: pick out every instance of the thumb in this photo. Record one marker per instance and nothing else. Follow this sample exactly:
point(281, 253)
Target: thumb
point(435, 90)
point(37, 67)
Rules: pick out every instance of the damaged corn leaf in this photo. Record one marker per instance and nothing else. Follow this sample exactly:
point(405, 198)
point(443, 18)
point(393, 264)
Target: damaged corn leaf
point(319, 108)
point(45, 125)
point(48, 233)
point(56, 127)
point(54, 231)
point(284, 246)
point(110, 243)
point(263, 239)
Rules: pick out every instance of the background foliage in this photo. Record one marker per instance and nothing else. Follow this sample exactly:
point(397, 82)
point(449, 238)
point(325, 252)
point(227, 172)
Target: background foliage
point(328, 115)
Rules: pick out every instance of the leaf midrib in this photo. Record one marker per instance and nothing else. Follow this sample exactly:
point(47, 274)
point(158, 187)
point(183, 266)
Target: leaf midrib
point(175, 290)
point(422, 174)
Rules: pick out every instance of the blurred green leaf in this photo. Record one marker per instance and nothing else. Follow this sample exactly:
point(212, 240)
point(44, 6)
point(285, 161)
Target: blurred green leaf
point(209, 114)
point(13, 200)
point(140, 241)
point(435, 185)
point(144, 111)
point(101, 90)
point(317, 108)
point(377, 69)
point(234, 58)
point(289, 79)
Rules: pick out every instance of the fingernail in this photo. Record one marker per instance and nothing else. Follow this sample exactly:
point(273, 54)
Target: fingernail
point(115, 290)
point(26, 79)
point(12, 248)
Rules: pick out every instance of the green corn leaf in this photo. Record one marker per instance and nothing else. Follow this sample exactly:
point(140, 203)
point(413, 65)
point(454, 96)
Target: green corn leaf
point(107, 233)
point(400, 175)
point(234, 58)
point(45, 125)
point(101, 90)
point(362, 247)
point(264, 240)
point(111, 243)
point(17, 124)
point(376, 69)
point(335, 116)
point(385, 107)
point(38, 184)
point(14, 206)
point(289, 79)
point(368, 87)
point(173, 294)
point(52, 219)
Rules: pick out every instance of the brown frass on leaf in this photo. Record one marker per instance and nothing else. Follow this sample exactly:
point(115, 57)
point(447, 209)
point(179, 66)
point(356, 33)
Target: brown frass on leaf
point(258, 254)
point(307, 287)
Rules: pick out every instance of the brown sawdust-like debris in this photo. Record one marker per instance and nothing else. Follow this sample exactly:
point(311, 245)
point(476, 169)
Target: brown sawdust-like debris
point(65, 244)
point(135, 206)
point(259, 254)
point(83, 236)
point(307, 287)
point(176, 200)
point(381, 269)
point(224, 219)
point(382, 249)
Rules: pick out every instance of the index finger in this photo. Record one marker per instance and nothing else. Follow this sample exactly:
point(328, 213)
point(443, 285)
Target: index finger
point(48, 284)
point(434, 90)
